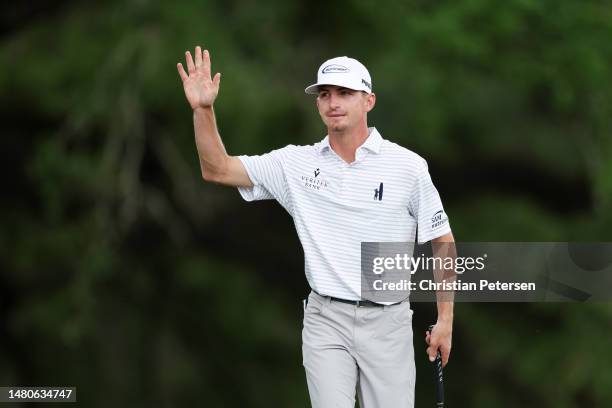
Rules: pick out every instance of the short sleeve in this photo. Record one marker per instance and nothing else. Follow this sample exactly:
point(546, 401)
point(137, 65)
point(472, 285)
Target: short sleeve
point(426, 207)
point(267, 173)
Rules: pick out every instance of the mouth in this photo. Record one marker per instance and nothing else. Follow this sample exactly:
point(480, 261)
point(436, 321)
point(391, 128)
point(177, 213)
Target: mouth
point(335, 115)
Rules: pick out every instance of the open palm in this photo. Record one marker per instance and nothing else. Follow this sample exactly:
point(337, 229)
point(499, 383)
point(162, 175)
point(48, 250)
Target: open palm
point(200, 89)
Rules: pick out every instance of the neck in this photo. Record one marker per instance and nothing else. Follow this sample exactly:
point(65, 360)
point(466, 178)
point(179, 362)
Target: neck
point(346, 142)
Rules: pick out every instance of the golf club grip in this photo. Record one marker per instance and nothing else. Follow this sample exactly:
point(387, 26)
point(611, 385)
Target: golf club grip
point(438, 377)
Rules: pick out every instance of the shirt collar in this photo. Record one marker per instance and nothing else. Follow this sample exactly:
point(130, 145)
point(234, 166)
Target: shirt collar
point(372, 143)
point(323, 145)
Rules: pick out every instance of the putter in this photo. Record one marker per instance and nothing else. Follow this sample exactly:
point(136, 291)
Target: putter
point(438, 377)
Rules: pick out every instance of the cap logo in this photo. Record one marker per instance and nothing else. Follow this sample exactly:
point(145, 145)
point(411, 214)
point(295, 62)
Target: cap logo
point(366, 83)
point(334, 68)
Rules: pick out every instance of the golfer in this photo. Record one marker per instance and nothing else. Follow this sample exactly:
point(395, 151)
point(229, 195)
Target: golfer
point(353, 186)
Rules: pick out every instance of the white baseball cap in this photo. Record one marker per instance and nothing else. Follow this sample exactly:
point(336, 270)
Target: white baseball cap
point(342, 71)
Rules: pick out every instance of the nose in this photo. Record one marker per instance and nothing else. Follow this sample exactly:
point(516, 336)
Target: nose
point(334, 101)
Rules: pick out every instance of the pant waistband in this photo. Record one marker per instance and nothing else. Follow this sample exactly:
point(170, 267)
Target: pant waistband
point(358, 303)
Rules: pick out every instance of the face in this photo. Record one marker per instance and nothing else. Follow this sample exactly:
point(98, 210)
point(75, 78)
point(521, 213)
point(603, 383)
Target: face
point(343, 109)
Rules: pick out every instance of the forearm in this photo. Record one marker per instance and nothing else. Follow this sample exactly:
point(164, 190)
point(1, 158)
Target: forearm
point(444, 247)
point(445, 298)
point(211, 152)
point(445, 311)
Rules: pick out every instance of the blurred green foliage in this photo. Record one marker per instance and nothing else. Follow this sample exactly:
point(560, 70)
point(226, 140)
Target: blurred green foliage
point(124, 274)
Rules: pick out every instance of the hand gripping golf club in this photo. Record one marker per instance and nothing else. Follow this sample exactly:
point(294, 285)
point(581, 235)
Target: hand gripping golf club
point(438, 377)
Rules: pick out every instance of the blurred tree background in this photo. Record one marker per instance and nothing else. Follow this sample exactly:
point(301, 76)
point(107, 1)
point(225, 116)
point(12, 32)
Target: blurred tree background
point(123, 274)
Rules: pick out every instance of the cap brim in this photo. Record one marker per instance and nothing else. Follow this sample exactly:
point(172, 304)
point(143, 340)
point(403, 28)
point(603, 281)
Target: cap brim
point(314, 88)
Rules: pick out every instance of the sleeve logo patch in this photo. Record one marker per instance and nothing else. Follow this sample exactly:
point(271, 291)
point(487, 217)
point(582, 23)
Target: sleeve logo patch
point(438, 219)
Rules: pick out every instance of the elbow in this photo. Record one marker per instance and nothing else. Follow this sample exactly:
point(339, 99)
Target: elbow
point(211, 174)
point(207, 176)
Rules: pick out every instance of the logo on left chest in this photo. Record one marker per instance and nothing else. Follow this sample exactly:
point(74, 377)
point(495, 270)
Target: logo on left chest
point(378, 192)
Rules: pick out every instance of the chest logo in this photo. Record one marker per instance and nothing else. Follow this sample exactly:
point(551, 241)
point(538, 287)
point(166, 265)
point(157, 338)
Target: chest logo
point(378, 193)
point(316, 182)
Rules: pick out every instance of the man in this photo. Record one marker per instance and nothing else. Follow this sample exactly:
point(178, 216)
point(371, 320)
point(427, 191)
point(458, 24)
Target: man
point(352, 187)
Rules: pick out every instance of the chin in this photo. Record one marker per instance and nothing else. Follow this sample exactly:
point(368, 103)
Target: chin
point(338, 126)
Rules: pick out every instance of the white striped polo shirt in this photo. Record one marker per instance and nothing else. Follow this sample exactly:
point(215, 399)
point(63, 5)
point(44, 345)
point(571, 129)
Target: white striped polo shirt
point(381, 197)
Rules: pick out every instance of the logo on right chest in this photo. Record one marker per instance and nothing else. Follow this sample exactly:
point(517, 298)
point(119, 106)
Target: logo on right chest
point(315, 182)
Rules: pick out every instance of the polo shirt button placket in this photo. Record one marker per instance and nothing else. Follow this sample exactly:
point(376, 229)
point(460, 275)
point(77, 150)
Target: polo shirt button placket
point(343, 167)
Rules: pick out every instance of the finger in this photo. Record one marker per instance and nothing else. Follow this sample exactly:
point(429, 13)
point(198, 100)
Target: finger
point(445, 357)
point(206, 63)
point(198, 57)
point(181, 71)
point(427, 338)
point(217, 79)
point(190, 64)
point(432, 352)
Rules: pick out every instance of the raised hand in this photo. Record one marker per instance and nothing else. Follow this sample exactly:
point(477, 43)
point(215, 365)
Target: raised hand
point(200, 89)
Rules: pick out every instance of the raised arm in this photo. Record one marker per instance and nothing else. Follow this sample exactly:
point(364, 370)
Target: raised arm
point(201, 90)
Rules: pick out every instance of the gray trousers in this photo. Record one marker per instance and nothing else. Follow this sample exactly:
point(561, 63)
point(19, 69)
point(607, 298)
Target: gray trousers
point(346, 348)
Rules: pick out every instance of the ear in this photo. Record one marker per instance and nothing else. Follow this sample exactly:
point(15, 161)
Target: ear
point(370, 101)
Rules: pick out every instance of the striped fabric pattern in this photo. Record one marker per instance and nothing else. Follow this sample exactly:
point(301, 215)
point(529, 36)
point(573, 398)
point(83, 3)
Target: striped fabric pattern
point(381, 197)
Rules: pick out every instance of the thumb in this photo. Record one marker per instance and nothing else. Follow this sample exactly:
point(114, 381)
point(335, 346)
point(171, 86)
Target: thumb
point(217, 79)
